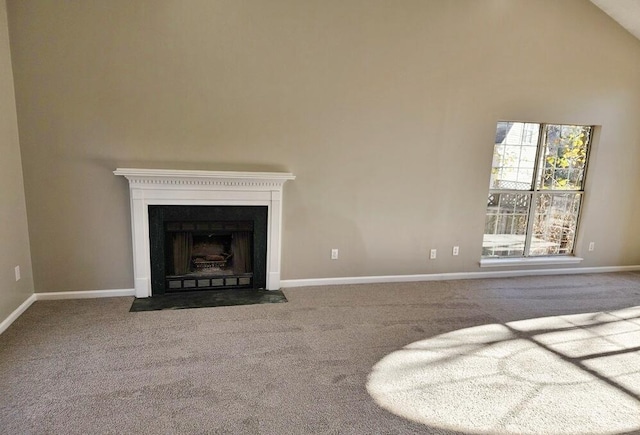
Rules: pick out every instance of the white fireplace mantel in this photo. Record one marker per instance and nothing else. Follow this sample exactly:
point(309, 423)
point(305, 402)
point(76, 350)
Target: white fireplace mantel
point(179, 187)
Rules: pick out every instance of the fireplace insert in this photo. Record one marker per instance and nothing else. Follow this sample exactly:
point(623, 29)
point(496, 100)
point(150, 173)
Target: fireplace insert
point(207, 247)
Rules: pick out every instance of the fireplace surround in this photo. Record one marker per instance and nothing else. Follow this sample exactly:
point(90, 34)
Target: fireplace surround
point(165, 187)
point(204, 247)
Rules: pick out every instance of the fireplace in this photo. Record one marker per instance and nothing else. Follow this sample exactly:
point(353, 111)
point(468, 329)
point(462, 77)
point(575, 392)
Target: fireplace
point(218, 205)
point(207, 247)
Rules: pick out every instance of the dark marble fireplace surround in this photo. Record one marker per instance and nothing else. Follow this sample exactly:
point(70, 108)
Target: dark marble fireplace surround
point(210, 263)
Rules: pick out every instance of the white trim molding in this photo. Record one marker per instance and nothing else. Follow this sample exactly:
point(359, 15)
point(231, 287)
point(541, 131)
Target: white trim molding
point(17, 313)
point(85, 294)
point(290, 283)
point(216, 188)
point(530, 261)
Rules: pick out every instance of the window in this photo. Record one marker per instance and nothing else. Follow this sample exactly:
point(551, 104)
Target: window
point(536, 189)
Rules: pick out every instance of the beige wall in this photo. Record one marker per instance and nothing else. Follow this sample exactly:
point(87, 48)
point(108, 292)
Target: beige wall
point(14, 239)
point(385, 111)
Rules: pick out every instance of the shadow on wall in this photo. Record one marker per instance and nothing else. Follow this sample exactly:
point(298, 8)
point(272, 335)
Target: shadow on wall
point(554, 375)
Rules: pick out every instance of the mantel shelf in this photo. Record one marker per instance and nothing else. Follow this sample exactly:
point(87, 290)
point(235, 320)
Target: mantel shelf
point(172, 176)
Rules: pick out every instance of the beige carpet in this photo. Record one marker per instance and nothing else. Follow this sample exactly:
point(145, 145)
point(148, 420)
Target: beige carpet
point(522, 355)
point(574, 374)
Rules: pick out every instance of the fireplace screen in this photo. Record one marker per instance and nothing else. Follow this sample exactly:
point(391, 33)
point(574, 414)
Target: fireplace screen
point(209, 254)
point(206, 247)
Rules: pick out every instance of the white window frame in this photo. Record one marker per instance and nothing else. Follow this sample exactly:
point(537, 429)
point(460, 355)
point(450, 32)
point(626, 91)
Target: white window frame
point(534, 194)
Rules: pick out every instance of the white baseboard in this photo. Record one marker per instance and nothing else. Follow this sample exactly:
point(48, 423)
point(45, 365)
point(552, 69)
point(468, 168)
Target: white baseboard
point(86, 294)
point(16, 313)
point(289, 283)
point(62, 295)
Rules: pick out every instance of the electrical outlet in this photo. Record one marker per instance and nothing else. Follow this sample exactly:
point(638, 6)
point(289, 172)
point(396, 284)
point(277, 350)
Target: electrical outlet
point(592, 246)
point(334, 254)
point(17, 270)
point(456, 250)
point(432, 254)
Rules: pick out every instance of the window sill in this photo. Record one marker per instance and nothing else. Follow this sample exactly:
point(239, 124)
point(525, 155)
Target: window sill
point(530, 261)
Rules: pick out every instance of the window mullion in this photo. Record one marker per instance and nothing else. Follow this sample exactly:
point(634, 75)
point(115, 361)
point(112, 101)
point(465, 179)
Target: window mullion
point(533, 201)
point(537, 167)
point(533, 195)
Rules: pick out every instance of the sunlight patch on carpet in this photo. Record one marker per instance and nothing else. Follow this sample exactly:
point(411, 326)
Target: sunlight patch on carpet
point(573, 374)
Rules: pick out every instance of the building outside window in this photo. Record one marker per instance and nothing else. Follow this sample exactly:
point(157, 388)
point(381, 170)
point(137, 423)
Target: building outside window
point(536, 189)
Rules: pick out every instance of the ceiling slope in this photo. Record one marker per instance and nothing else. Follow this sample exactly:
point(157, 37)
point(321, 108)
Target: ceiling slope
point(625, 12)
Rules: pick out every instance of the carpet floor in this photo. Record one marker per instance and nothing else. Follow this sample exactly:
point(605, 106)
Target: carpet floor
point(545, 355)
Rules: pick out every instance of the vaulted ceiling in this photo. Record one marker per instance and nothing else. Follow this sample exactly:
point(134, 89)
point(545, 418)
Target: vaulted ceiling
point(625, 12)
